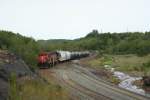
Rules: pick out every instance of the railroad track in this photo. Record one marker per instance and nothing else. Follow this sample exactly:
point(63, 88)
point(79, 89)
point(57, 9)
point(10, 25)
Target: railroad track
point(88, 87)
point(121, 94)
point(80, 92)
point(90, 93)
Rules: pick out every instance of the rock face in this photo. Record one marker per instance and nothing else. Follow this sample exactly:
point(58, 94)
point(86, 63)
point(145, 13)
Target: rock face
point(10, 63)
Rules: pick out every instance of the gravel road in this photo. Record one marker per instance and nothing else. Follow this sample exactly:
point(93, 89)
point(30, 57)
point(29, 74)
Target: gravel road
point(83, 85)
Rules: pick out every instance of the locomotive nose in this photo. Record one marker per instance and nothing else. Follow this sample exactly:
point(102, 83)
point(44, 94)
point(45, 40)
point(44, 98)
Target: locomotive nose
point(42, 59)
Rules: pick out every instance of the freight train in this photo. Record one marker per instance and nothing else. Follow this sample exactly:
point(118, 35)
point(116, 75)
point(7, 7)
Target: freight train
point(48, 59)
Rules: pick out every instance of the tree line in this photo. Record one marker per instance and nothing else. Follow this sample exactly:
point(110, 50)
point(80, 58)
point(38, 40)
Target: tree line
point(112, 43)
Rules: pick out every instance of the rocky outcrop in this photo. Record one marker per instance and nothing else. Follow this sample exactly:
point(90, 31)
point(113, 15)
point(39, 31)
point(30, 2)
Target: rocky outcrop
point(10, 63)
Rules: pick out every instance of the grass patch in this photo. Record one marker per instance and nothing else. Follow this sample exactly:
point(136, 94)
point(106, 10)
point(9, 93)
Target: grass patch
point(130, 60)
point(108, 60)
point(14, 91)
point(96, 63)
point(35, 90)
point(131, 64)
point(114, 80)
point(99, 62)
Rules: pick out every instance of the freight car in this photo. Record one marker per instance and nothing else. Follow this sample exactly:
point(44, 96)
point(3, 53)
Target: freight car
point(64, 55)
point(48, 59)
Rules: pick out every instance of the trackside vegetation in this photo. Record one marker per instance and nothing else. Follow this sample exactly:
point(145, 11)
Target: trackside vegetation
point(131, 64)
point(24, 47)
point(14, 89)
point(33, 89)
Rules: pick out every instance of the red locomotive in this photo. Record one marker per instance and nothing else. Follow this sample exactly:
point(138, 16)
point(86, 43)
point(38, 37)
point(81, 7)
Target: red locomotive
point(47, 59)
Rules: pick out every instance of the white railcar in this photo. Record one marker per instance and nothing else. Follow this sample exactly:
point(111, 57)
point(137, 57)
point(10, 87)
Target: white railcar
point(64, 55)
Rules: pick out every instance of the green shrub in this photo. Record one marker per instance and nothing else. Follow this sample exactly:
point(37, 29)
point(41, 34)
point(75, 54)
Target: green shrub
point(13, 90)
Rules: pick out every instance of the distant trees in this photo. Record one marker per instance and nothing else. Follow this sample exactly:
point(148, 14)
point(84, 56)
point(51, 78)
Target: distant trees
point(120, 43)
point(94, 33)
point(113, 43)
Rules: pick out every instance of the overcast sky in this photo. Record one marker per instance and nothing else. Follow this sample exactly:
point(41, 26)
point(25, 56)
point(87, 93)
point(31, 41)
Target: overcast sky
point(69, 19)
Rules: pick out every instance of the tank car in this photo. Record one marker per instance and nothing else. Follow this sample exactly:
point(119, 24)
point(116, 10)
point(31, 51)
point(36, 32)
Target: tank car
point(64, 55)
